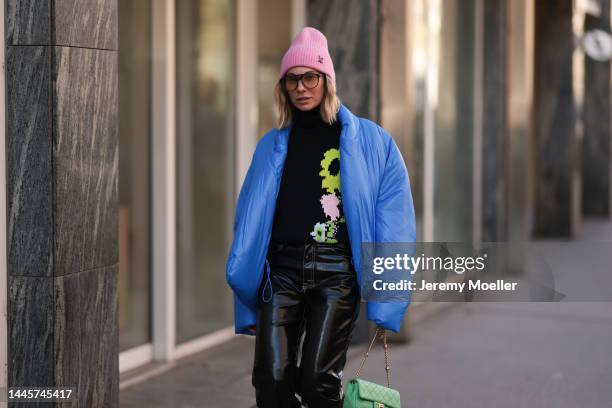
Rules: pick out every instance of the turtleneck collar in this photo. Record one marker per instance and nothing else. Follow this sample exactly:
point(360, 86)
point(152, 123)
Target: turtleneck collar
point(308, 119)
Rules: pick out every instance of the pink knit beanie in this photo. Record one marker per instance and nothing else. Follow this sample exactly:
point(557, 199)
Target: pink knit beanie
point(308, 49)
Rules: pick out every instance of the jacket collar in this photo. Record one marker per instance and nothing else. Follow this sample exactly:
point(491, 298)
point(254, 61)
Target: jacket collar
point(345, 117)
point(348, 121)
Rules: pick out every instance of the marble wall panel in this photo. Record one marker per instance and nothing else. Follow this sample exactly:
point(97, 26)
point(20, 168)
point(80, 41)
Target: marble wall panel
point(86, 336)
point(29, 184)
point(86, 23)
point(30, 331)
point(28, 22)
point(85, 154)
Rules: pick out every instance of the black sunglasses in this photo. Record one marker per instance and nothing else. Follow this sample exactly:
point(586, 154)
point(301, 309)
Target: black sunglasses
point(309, 79)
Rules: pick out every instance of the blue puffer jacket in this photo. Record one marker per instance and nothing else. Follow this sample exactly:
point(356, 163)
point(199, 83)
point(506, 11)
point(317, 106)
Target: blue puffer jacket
point(376, 200)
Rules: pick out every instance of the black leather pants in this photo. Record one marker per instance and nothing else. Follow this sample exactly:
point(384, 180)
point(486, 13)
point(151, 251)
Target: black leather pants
point(305, 320)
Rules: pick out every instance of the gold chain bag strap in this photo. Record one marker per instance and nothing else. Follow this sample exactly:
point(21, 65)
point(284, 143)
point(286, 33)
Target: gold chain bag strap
point(383, 335)
point(360, 393)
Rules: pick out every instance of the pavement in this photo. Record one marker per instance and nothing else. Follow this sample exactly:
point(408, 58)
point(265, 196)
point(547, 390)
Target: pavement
point(465, 355)
point(505, 355)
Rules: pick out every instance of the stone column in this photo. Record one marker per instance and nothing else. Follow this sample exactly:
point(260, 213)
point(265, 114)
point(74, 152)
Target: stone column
point(596, 118)
point(351, 28)
point(493, 119)
point(62, 153)
point(554, 120)
point(352, 31)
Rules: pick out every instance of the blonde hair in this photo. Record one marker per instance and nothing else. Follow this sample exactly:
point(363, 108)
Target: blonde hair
point(330, 105)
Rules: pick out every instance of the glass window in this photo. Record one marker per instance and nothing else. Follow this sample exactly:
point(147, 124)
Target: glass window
point(134, 173)
point(205, 49)
point(274, 38)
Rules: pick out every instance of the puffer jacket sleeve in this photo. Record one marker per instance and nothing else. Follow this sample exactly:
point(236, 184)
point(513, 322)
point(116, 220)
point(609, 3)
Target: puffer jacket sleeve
point(244, 317)
point(244, 314)
point(239, 222)
point(395, 222)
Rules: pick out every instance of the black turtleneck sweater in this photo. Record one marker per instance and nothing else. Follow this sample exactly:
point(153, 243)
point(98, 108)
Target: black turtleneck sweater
point(309, 203)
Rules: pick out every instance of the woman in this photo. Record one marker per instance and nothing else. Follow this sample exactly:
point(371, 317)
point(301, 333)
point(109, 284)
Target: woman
point(318, 187)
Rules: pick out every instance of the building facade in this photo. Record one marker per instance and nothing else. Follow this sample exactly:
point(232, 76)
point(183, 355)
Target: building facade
point(129, 127)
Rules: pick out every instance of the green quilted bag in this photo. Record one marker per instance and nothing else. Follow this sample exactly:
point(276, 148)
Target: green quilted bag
point(364, 394)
